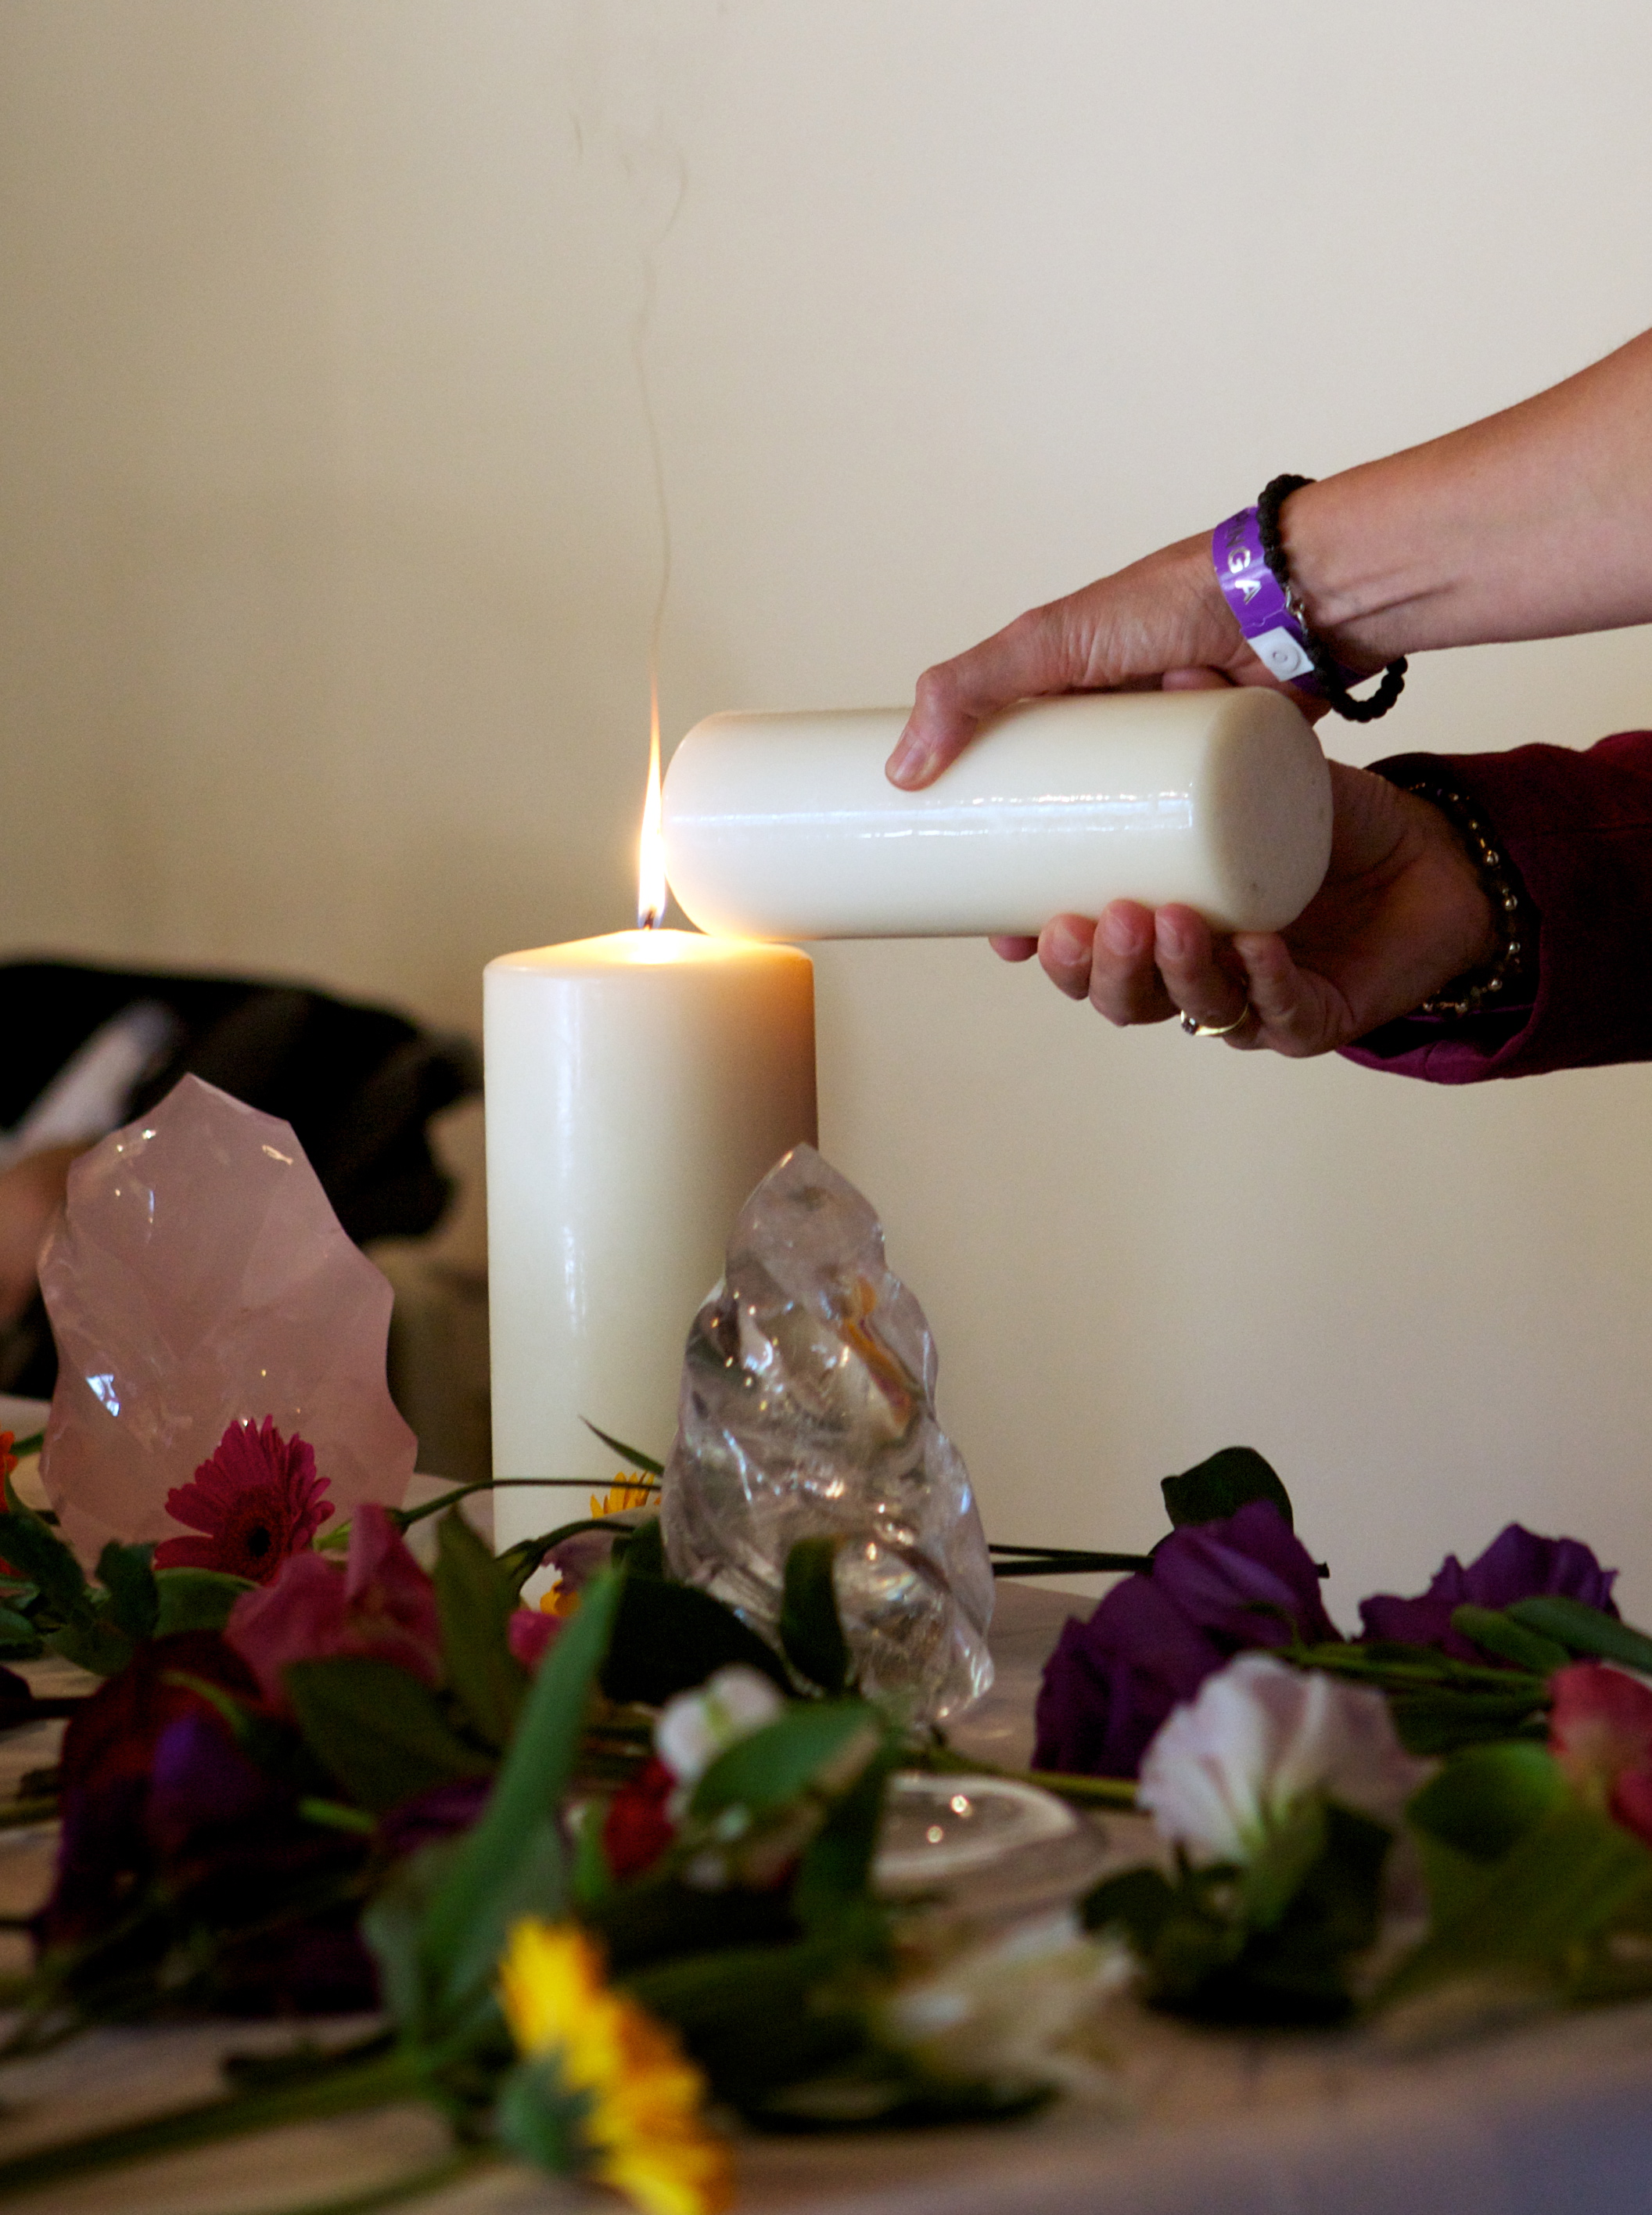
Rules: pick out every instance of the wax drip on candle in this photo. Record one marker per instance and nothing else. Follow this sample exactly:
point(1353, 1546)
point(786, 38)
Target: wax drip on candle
point(651, 853)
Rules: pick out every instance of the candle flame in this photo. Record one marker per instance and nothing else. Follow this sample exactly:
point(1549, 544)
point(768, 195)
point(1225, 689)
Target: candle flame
point(650, 855)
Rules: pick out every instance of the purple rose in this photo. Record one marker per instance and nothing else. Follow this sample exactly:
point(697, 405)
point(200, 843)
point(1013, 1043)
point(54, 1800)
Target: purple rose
point(1213, 1589)
point(1516, 1565)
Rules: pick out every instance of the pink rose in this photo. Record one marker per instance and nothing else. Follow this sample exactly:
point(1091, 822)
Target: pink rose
point(381, 1604)
point(1600, 1732)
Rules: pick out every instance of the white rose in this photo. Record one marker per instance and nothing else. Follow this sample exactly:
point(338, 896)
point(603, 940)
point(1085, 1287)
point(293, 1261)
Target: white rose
point(1227, 1768)
point(1021, 2009)
point(695, 1727)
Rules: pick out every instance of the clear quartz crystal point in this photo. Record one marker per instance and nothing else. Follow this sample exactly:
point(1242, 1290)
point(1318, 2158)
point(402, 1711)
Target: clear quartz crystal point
point(808, 1409)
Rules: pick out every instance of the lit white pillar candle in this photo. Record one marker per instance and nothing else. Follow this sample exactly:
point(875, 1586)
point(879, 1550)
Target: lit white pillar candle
point(638, 1087)
point(783, 826)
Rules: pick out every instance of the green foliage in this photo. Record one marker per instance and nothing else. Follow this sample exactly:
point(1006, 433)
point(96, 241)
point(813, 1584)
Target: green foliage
point(195, 1599)
point(1497, 1632)
point(34, 1549)
point(134, 1601)
point(641, 1551)
point(671, 1637)
point(475, 1599)
point(1219, 1487)
point(631, 1454)
point(1534, 1910)
point(91, 1641)
point(19, 1640)
point(537, 2117)
point(1272, 1943)
point(834, 1877)
point(510, 1864)
point(814, 1747)
point(1439, 1704)
point(1582, 1629)
point(378, 1729)
point(811, 1631)
point(759, 2017)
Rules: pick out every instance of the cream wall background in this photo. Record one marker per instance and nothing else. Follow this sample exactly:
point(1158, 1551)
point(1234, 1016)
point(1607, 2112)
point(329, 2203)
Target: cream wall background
point(329, 546)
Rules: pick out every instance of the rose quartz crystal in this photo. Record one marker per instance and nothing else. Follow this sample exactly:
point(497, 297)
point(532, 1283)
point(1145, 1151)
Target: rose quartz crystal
point(198, 1278)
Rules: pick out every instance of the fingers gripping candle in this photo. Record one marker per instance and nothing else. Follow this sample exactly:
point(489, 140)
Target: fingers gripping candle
point(785, 825)
point(638, 1087)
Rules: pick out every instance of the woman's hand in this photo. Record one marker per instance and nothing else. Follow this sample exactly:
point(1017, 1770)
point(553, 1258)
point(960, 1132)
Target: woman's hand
point(1402, 911)
point(1161, 624)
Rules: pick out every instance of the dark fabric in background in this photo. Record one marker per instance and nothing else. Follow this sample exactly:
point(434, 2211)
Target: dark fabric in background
point(358, 1084)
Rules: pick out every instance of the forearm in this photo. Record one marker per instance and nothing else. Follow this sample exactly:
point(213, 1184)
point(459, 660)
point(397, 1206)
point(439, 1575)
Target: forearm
point(1535, 522)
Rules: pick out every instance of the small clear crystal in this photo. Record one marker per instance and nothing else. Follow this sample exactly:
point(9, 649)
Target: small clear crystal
point(808, 1409)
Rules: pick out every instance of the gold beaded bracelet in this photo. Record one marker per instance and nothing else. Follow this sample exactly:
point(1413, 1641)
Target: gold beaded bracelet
point(1512, 909)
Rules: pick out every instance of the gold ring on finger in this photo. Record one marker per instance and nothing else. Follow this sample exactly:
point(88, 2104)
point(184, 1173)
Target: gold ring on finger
point(1195, 1028)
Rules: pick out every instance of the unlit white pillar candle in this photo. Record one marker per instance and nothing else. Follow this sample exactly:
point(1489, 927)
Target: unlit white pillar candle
point(638, 1087)
point(782, 826)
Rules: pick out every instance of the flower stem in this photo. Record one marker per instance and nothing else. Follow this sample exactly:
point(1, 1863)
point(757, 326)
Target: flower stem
point(367, 2084)
point(1088, 1791)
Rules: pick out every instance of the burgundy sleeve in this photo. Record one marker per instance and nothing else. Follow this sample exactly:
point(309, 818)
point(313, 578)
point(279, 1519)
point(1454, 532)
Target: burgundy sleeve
point(1578, 827)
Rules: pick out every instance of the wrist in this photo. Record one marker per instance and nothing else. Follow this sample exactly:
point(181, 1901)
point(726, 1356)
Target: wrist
point(1251, 560)
point(1486, 938)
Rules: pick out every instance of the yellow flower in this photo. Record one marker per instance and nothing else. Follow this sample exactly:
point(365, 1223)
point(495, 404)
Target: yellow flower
point(624, 1494)
point(641, 2121)
point(559, 1600)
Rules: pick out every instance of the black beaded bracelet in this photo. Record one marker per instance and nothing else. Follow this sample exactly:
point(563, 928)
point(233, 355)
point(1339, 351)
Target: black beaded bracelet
point(1515, 917)
point(1333, 681)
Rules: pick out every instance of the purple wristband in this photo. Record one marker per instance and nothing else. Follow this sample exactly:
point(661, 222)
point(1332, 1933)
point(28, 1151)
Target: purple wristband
point(1253, 593)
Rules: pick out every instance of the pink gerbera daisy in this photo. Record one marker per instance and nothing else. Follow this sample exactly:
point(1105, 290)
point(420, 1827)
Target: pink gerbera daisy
point(258, 1499)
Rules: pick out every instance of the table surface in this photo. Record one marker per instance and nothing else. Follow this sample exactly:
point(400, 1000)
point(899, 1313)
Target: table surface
point(1543, 2118)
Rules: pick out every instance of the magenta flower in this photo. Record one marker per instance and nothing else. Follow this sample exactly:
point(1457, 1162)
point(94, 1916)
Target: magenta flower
point(258, 1499)
point(1516, 1565)
point(1600, 1732)
point(1214, 1589)
point(381, 1604)
point(531, 1633)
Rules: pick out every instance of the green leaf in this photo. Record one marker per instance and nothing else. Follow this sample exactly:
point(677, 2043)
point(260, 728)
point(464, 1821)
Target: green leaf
point(35, 1548)
point(1446, 1720)
point(1486, 1798)
point(1219, 1487)
point(134, 1603)
point(812, 1630)
point(92, 1643)
point(1277, 1871)
point(835, 1878)
point(756, 2017)
point(1297, 1970)
point(671, 1637)
point(1495, 1632)
point(641, 1550)
point(196, 1599)
point(815, 1745)
point(511, 1861)
point(19, 1639)
point(1567, 1878)
point(376, 1728)
point(642, 1461)
point(475, 1601)
point(1139, 1903)
point(591, 1880)
point(1572, 1622)
point(539, 2119)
